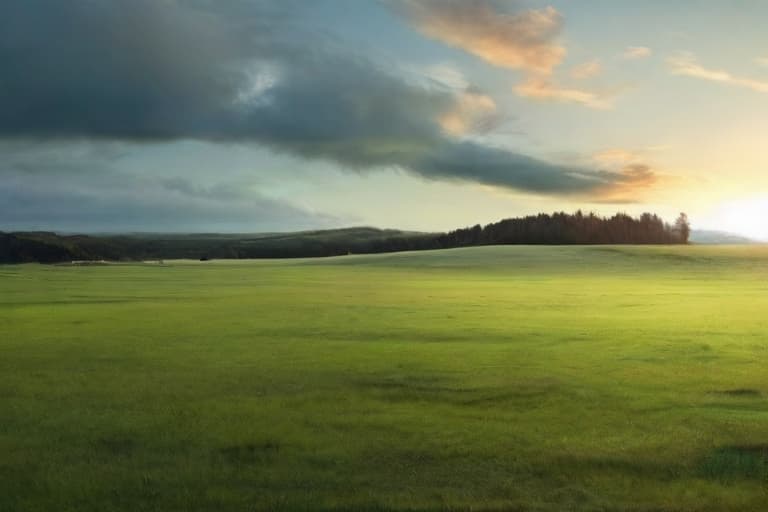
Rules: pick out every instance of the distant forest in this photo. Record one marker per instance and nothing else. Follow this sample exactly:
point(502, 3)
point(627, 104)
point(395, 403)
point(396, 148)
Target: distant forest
point(556, 229)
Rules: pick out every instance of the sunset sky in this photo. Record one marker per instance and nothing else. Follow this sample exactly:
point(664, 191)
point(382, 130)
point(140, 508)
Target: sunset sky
point(247, 116)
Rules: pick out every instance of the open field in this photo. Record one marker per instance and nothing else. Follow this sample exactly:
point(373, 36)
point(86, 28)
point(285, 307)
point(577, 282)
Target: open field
point(495, 378)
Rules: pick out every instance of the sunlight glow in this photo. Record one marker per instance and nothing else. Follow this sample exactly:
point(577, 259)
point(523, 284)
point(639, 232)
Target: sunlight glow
point(748, 217)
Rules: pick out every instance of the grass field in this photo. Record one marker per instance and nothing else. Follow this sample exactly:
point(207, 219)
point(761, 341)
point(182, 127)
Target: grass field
point(497, 378)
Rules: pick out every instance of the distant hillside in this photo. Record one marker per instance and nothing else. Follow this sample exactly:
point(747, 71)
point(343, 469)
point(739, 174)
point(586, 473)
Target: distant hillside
point(558, 228)
point(706, 236)
point(46, 247)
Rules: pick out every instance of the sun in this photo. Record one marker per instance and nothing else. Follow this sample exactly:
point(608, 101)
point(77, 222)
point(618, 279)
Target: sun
point(747, 217)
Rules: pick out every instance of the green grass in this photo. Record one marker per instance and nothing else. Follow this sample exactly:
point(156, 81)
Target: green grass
point(497, 378)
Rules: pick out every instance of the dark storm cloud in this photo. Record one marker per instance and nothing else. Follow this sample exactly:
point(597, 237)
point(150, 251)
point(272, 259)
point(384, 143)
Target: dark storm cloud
point(475, 162)
point(138, 69)
point(155, 70)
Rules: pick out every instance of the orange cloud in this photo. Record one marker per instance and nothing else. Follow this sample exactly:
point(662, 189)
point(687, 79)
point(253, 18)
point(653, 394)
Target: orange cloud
point(586, 70)
point(524, 40)
point(544, 89)
point(614, 156)
point(634, 178)
point(633, 183)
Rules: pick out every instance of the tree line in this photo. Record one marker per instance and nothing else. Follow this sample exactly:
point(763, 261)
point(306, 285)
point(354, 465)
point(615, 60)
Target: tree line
point(554, 229)
point(577, 228)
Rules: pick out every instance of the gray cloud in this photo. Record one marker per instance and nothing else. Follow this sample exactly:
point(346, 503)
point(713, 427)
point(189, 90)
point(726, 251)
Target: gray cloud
point(98, 187)
point(145, 70)
point(470, 161)
point(120, 203)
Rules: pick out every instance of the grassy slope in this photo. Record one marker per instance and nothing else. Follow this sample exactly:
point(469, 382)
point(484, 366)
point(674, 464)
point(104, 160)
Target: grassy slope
point(527, 378)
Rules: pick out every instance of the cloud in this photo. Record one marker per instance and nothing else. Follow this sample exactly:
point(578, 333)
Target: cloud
point(586, 70)
point(612, 156)
point(636, 179)
point(473, 112)
point(761, 61)
point(686, 64)
point(637, 175)
point(470, 161)
point(447, 76)
point(615, 155)
point(97, 186)
point(524, 40)
point(25, 207)
point(118, 202)
point(636, 52)
point(244, 72)
point(543, 89)
point(76, 159)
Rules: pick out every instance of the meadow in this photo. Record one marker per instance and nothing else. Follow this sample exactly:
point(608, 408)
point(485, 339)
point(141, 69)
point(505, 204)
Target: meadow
point(585, 378)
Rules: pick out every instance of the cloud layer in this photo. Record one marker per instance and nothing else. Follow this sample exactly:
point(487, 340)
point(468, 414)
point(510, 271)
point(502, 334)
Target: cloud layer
point(102, 187)
point(150, 71)
point(121, 204)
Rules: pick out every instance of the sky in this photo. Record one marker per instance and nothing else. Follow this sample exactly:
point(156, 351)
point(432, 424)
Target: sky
point(253, 116)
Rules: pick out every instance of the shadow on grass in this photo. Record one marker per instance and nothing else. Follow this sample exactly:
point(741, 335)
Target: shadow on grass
point(736, 462)
point(116, 446)
point(251, 453)
point(635, 467)
point(739, 392)
point(439, 390)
